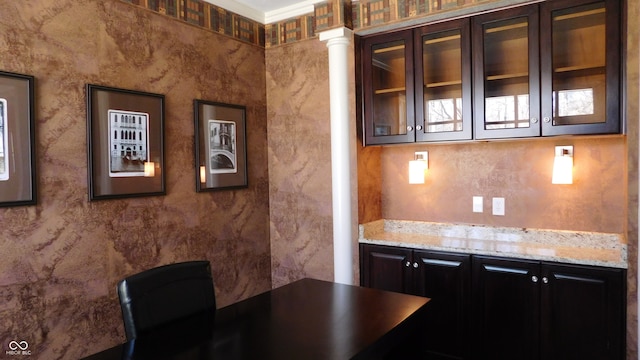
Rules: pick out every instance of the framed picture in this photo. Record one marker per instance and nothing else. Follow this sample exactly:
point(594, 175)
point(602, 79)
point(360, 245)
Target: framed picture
point(17, 139)
point(220, 146)
point(125, 143)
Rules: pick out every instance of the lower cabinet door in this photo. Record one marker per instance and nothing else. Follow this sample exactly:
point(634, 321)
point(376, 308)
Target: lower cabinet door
point(386, 268)
point(446, 279)
point(582, 312)
point(506, 309)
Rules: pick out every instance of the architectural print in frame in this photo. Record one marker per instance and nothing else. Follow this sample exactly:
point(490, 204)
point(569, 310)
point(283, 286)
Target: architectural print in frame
point(220, 151)
point(17, 138)
point(125, 147)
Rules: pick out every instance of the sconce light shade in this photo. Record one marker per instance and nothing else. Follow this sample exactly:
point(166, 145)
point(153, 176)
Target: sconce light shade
point(418, 166)
point(563, 165)
point(149, 169)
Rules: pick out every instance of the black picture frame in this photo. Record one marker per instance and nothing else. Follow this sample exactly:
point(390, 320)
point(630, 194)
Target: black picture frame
point(125, 143)
point(17, 140)
point(220, 146)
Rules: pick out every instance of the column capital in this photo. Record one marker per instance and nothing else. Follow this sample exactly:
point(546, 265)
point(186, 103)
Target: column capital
point(337, 33)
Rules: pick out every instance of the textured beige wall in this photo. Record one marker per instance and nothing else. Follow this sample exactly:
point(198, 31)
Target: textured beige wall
point(632, 111)
point(299, 161)
point(62, 258)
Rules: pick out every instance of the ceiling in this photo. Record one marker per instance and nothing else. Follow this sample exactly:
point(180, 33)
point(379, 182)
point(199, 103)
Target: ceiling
point(268, 5)
point(267, 11)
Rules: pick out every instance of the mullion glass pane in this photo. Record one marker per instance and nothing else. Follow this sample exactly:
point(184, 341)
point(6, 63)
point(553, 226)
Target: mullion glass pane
point(506, 61)
point(389, 92)
point(442, 68)
point(579, 79)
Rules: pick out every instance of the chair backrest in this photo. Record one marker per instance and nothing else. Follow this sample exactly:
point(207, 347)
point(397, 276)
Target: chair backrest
point(156, 298)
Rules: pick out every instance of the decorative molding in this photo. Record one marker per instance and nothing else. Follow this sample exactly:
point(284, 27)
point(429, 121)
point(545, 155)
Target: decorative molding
point(306, 19)
point(208, 16)
point(288, 12)
point(240, 9)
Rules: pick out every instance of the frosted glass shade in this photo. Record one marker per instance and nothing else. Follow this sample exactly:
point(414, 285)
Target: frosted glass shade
point(563, 166)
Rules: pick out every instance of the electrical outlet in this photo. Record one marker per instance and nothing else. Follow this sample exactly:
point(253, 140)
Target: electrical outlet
point(477, 204)
point(498, 206)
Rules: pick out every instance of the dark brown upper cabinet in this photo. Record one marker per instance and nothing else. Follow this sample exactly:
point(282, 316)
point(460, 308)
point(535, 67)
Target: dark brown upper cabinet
point(581, 68)
point(548, 69)
point(387, 79)
point(443, 81)
point(506, 68)
point(552, 68)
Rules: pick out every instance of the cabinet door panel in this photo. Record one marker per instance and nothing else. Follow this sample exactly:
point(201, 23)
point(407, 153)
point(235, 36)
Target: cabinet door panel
point(506, 308)
point(387, 80)
point(506, 65)
point(443, 81)
point(385, 268)
point(579, 66)
point(582, 312)
point(445, 278)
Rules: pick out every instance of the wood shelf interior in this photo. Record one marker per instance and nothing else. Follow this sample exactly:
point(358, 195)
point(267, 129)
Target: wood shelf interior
point(389, 91)
point(442, 39)
point(507, 76)
point(442, 59)
point(443, 84)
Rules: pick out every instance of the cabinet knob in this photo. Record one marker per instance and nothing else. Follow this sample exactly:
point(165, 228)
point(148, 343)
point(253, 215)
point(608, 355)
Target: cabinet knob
point(534, 279)
point(409, 128)
point(407, 264)
point(415, 265)
point(547, 119)
point(534, 120)
point(545, 280)
point(418, 127)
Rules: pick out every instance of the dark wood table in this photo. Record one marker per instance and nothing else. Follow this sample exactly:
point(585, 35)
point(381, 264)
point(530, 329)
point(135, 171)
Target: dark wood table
point(307, 319)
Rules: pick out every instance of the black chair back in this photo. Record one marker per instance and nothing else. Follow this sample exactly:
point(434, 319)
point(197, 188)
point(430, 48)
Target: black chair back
point(166, 299)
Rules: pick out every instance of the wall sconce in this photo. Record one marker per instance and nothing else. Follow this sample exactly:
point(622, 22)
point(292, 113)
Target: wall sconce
point(418, 166)
point(563, 165)
point(149, 169)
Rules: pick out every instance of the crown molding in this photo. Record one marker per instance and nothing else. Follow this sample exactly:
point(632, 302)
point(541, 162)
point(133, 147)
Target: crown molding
point(240, 9)
point(292, 11)
point(287, 12)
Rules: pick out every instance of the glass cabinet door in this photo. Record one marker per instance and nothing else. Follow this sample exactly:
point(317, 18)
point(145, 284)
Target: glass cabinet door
point(507, 74)
point(443, 91)
point(579, 87)
point(388, 89)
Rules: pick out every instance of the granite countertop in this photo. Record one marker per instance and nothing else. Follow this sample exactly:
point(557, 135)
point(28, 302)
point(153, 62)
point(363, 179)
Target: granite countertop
point(577, 247)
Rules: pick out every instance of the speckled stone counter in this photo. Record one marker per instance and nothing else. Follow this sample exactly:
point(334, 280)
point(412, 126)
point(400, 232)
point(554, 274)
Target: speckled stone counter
point(587, 248)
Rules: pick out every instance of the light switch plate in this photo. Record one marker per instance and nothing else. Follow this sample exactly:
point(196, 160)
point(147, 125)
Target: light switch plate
point(498, 206)
point(477, 204)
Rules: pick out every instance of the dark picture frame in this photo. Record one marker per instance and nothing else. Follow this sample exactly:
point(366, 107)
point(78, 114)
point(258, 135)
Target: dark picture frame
point(125, 143)
point(17, 140)
point(220, 146)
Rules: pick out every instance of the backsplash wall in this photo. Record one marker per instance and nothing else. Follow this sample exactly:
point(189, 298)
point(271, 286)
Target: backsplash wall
point(520, 172)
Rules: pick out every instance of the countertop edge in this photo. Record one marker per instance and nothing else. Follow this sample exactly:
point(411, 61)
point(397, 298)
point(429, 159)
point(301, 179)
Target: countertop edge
point(580, 248)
